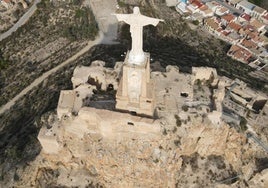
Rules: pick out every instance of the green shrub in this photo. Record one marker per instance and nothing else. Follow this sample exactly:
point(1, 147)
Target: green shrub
point(178, 120)
point(195, 22)
point(185, 108)
point(243, 124)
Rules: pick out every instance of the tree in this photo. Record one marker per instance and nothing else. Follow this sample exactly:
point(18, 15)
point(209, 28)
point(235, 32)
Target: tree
point(243, 124)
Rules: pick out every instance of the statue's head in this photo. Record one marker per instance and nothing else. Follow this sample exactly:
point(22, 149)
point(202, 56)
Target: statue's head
point(136, 10)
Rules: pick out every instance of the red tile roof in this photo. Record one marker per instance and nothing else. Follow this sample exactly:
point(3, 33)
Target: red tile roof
point(197, 3)
point(249, 44)
point(225, 33)
point(228, 17)
point(252, 34)
point(239, 53)
point(203, 8)
point(234, 26)
point(245, 16)
point(234, 48)
point(257, 39)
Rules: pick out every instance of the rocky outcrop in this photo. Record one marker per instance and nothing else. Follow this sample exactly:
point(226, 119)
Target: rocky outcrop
point(98, 147)
point(207, 141)
point(197, 154)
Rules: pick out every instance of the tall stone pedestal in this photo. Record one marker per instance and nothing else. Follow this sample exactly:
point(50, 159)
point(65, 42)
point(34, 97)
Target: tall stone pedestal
point(136, 90)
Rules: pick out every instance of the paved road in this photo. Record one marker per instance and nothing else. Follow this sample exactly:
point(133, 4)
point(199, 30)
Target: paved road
point(21, 21)
point(39, 80)
point(103, 10)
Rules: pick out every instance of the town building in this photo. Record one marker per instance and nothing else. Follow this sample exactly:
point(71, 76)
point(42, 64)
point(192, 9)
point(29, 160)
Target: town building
point(245, 6)
point(211, 24)
point(244, 18)
point(233, 2)
point(247, 29)
point(239, 53)
point(228, 18)
point(243, 101)
point(257, 12)
point(260, 27)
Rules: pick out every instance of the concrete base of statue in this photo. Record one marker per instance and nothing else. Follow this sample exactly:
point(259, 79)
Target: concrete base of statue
point(135, 91)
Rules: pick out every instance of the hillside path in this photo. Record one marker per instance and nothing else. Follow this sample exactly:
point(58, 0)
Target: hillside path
point(21, 21)
point(45, 75)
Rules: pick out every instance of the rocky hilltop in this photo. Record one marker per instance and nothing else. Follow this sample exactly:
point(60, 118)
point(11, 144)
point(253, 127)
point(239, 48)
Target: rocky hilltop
point(174, 152)
point(186, 150)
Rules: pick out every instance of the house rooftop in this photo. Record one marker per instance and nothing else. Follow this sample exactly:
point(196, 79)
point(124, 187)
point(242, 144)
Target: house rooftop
point(234, 36)
point(203, 8)
point(234, 26)
point(259, 10)
point(234, 1)
point(225, 33)
point(249, 44)
point(208, 11)
point(219, 29)
point(257, 24)
point(245, 16)
point(234, 48)
point(257, 39)
point(239, 53)
point(212, 4)
point(253, 34)
point(228, 17)
point(197, 3)
point(249, 27)
point(265, 16)
point(223, 10)
point(212, 23)
point(247, 4)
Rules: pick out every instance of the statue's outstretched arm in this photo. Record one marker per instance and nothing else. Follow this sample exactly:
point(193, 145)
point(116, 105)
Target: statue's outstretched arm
point(122, 17)
point(151, 21)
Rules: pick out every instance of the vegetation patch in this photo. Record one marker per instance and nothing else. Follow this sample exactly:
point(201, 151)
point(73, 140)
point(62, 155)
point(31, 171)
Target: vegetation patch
point(56, 31)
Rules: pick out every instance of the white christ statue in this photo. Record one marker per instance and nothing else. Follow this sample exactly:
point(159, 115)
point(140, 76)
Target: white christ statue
point(136, 22)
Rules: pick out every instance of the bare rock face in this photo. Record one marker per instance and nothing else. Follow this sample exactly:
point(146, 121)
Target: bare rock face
point(260, 180)
point(203, 156)
point(207, 141)
point(103, 148)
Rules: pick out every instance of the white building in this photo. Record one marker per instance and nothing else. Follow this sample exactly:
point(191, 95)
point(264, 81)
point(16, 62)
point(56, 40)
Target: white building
point(258, 12)
point(182, 8)
point(246, 6)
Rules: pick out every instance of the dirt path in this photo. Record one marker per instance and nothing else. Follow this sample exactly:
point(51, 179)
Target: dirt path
point(39, 80)
point(108, 25)
point(21, 21)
